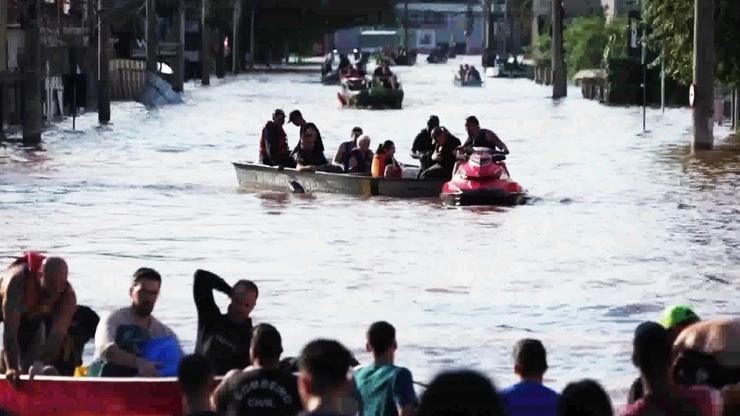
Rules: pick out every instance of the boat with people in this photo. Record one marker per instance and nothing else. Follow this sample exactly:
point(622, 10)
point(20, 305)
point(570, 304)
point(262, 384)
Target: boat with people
point(255, 176)
point(459, 82)
point(482, 179)
point(361, 92)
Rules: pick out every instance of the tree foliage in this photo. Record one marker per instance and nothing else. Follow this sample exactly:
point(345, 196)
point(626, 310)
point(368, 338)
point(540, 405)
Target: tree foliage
point(590, 40)
point(672, 29)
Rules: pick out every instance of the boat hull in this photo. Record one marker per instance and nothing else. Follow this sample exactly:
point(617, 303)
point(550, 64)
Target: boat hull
point(374, 97)
point(253, 176)
point(92, 396)
point(472, 83)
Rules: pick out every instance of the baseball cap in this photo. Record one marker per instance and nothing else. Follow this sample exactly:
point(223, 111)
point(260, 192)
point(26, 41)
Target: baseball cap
point(279, 112)
point(677, 315)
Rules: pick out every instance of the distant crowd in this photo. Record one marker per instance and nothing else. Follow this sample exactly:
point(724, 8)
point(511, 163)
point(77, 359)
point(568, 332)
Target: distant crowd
point(686, 366)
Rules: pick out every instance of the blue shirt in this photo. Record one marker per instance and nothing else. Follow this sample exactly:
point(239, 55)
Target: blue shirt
point(530, 399)
point(382, 389)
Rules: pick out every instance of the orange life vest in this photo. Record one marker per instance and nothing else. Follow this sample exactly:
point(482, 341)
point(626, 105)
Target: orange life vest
point(377, 169)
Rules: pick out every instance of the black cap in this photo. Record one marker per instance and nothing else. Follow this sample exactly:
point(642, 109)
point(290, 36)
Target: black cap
point(278, 112)
point(433, 122)
point(293, 115)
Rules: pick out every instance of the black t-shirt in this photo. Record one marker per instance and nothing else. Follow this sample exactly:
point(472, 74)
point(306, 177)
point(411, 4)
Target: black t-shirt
point(423, 142)
point(223, 342)
point(259, 392)
point(313, 158)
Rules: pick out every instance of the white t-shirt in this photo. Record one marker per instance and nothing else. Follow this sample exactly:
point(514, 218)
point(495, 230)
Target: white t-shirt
point(108, 330)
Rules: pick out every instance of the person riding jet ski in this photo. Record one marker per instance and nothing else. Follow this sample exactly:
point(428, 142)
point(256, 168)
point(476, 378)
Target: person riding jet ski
point(479, 137)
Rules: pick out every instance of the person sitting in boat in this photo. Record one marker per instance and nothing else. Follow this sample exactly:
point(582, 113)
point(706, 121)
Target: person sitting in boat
point(297, 119)
point(479, 137)
point(473, 74)
point(341, 158)
point(423, 147)
point(461, 73)
point(385, 76)
point(34, 292)
point(124, 334)
point(195, 378)
point(274, 150)
point(444, 156)
point(361, 157)
point(224, 338)
point(384, 164)
point(307, 158)
point(263, 388)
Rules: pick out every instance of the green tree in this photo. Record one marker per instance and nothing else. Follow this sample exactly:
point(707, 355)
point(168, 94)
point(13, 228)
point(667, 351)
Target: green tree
point(672, 30)
point(585, 40)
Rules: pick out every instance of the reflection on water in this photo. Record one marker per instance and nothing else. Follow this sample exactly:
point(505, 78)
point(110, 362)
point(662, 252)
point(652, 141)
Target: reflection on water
point(619, 224)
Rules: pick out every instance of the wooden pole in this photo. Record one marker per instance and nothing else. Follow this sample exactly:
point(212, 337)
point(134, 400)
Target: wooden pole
point(103, 65)
point(179, 28)
point(252, 41)
point(559, 76)
point(703, 74)
point(220, 51)
point(32, 77)
point(236, 45)
point(205, 47)
point(406, 25)
point(3, 59)
point(3, 35)
point(152, 45)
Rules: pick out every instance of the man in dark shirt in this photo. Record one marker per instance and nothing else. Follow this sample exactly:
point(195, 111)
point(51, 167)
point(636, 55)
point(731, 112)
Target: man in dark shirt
point(423, 146)
point(195, 376)
point(297, 119)
point(385, 76)
point(444, 156)
point(224, 338)
point(262, 389)
point(479, 137)
point(274, 150)
point(307, 158)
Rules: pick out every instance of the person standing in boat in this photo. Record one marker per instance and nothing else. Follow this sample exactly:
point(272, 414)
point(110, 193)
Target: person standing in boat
point(361, 157)
point(274, 150)
point(307, 159)
point(297, 119)
point(384, 164)
point(224, 338)
point(34, 291)
point(479, 137)
point(423, 144)
point(341, 158)
point(123, 332)
point(444, 156)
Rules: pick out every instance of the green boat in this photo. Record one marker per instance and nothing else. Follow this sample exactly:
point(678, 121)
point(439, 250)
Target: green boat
point(361, 93)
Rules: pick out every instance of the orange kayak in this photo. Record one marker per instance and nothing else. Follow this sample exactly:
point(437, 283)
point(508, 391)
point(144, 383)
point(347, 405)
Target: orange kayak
point(83, 396)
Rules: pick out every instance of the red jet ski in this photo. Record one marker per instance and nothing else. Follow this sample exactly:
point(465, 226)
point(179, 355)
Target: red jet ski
point(482, 180)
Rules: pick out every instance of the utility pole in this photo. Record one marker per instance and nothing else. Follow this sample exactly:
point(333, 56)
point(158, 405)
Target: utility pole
point(205, 47)
point(152, 45)
point(252, 51)
point(406, 24)
point(487, 33)
point(703, 74)
point(103, 64)
point(643, 59)
point(179, 28)
point(559, 77)
point(236, 45)
point(31, 76)
point(3, 59)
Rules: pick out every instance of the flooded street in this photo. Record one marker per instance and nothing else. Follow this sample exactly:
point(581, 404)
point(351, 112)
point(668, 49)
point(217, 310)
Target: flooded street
point(620, 224)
